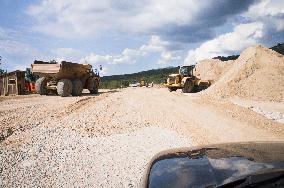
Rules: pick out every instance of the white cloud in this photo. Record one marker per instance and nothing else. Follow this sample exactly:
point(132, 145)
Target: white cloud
point(64, 51)
point(265, 19)
point(13, 45)
point(126, 57)
point(130, 56)
point(66, 54)
point(156, 45)
point(184, 18)
point(65, 18)
point(20, 67)
point(243, 36)
point(10, 44)
point(86, 18)
point(97, 59)
point(265, 8)
point(270, 13)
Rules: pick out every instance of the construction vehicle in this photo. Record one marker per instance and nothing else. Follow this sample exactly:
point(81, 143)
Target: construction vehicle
point(186, 81)
point(30, 80)
point(65, 78)
point(143, 82)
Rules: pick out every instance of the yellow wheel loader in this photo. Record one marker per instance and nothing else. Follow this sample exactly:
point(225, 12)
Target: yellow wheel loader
point(186, 81)
point(143, 82)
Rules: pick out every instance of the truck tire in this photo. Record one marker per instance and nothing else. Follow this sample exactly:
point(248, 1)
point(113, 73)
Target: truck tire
point(172, 89)
point(77, 88)
point(40, 86)
point(93, 86)
point(200, 88)
point(64, 87)
point(188, 86)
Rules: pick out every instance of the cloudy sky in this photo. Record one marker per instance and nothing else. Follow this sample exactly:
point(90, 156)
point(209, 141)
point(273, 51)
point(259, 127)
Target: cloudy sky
point(129, 35)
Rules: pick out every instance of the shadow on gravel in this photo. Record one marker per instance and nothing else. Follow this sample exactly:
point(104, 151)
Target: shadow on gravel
point(5, 134)
point(100, 92)
point(84, 94)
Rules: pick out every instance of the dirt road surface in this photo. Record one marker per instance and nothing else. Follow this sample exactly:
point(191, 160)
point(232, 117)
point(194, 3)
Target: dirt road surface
point(106, 140)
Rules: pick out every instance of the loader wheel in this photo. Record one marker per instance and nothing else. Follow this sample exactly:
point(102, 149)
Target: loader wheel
point(64, 87)
point(188, 86)
point(93, 86)
point(40, 86)
point(172, 89)
point(201, 87)
point(77, 88)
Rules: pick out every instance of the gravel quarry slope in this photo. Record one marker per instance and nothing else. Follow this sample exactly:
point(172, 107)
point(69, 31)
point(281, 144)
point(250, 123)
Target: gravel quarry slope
point(258, 74)
point(106, 140)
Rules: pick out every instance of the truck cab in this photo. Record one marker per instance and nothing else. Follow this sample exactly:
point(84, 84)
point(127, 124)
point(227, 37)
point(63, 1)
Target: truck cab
point(186, 71)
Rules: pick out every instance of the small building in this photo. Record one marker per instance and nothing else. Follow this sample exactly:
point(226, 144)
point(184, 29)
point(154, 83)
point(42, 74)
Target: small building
point(12, 83)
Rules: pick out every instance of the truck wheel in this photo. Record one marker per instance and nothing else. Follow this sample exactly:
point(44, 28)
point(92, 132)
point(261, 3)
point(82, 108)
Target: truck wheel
point(40, 86)
point(64, 87)
point(188, 86)
point(95, 89)
point(172, 89)
point(77, 88)
point(93, 86)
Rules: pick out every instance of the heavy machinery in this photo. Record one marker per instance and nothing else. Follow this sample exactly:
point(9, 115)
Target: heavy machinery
point(143, 82)
point(65, 78)
point(30, 80)
point(186, 81)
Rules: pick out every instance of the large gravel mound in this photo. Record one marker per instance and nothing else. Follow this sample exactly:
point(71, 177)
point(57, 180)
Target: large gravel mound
point(212, 69)
point(257, 74)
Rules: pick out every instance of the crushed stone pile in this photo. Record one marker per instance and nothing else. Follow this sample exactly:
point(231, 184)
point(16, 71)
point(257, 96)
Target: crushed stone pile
point(212, 69)
point(258, 74)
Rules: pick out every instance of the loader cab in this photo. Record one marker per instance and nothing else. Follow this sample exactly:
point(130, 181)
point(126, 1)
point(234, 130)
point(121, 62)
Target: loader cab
point(186, 71)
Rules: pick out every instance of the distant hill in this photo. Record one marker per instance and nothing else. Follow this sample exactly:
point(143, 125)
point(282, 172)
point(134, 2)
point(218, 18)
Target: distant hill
point(154, 75)
point(159, 75)
point(227, 58)
point(278, 48)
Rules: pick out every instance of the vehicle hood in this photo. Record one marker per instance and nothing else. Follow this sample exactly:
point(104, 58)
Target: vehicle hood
point(212, 165)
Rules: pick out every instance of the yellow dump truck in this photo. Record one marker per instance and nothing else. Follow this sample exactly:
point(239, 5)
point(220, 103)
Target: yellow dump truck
point(64, 78)
point(186, 81)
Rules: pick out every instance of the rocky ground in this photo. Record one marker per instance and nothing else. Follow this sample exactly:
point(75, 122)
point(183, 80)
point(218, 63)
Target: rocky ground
point(106, 140)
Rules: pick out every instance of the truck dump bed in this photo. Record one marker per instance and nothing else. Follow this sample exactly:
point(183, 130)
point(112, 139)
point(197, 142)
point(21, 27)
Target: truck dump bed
point(66, 70)
point(46, 68)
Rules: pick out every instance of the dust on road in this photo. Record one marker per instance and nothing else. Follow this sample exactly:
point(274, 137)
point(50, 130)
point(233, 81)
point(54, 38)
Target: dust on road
point(106, 140)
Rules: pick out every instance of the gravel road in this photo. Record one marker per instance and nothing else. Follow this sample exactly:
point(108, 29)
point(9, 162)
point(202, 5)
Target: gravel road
point(107, 139)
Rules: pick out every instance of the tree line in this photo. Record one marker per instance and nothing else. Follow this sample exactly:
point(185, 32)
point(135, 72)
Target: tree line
point(158, 76)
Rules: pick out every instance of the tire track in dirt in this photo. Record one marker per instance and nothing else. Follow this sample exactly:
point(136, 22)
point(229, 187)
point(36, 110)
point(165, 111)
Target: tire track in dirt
point(29, 113)
point(81, 104)
point(242, 114)
point(86, 140)
point(94, 116)
point(20, 114)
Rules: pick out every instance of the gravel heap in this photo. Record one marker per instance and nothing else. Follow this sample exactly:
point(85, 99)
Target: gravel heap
point(257, 74)
point(57, 157)
point(212, 69)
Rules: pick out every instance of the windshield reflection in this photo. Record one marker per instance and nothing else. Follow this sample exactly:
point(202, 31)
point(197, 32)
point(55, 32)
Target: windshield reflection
point(199, 170)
